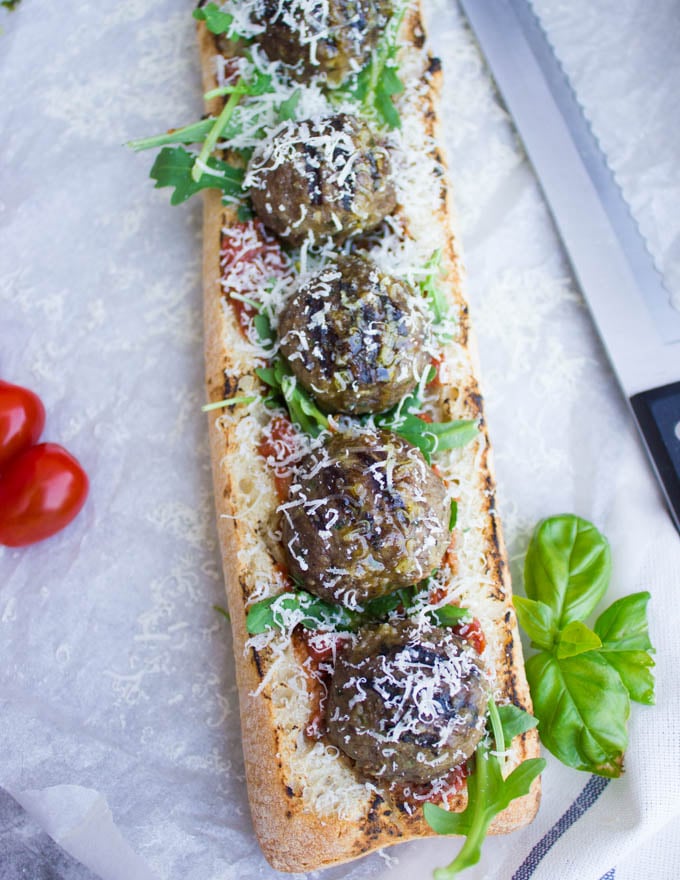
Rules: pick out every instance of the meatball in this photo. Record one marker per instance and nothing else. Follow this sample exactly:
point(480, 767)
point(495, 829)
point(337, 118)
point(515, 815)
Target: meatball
point(355, 337)
point(408, 704)
point(333, 37)
point(366, 515)
point(321, 178)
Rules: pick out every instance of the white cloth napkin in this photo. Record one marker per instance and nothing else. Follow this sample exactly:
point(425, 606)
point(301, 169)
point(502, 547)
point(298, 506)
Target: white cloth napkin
point(119, 720)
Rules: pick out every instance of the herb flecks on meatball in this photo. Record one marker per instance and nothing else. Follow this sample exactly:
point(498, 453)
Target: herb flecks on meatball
point(366, 515)
point(355, 337)
point(407, 704)
point(330, 37)
point(323, 178)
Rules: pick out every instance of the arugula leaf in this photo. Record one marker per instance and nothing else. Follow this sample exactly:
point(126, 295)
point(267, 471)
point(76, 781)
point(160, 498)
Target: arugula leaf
point(216, 21)
point(223, 612)
point(567, 566)
point(431, 437)
point(626, 643)
point(576, 638)
point(188, 134)
point(515, 721)
point(299, 608)
point(288, 107)
point(450, 615)
point(173, 168)
point(453, 516)
point(432, 291)
point(302, 410)
point(583, 707)
point(488, 795)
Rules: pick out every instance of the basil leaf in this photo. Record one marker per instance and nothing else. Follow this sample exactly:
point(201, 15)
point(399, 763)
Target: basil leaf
point(173, 168)
point(626, 643)
point(576, 638)
point(488, 795)
point(453, 516)
point(582, 706)
point(381, 607)
point(264, 330)
point(515, 721)
point(623, 626)
point(634, 667)
point(567, 566)
point(537, 621)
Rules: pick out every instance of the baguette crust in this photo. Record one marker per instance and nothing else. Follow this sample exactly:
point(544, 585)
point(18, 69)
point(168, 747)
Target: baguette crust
point(298, 833)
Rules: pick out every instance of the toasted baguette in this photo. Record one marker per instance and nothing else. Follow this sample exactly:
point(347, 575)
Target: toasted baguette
point(310, 807)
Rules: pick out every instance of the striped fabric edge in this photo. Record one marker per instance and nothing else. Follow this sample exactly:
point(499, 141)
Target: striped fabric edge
point(592, 791)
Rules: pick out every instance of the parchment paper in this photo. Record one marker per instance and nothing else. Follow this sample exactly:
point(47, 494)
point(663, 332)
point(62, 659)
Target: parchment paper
point(119, 719)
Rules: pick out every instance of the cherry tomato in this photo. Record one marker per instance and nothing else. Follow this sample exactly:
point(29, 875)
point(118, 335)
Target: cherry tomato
point(41, 491)
point(22, 419)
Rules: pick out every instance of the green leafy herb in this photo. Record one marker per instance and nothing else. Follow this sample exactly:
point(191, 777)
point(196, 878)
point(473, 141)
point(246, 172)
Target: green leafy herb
point(626, 645)
point(229, 401)
point(488, 795)
point(376, 83)
point(217, 21)
point(312, 613)
point(287, 109)
point(431, 437)
point(244, 212)
point(188, 134)
point(432, 291)
point(301, 408)
point(568, 566)
point(453, 516)
point(222, 611)
point(583, 679)
point(258, 85)
point(10, 4)
point(576, 638)
point(583, 707)
point(299, 608)
point(450, 615)
point(514, 721)
point(173, 167)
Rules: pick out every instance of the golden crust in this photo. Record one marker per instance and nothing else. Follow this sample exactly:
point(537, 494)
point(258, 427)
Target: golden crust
point(294, 838)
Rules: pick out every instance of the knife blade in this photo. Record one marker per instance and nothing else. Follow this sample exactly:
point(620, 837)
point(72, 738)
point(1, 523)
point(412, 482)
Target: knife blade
point(631, 308)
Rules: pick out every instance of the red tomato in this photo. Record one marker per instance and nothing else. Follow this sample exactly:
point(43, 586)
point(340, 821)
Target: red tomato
point(22, 419)
point(41, 491)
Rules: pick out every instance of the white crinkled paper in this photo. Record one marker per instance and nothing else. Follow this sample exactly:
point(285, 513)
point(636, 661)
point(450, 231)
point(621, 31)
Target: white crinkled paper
point(119, 728)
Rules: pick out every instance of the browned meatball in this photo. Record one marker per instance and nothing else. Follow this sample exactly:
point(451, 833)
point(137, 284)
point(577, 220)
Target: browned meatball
point(355, 337)
point(333, 37)
point(366, 515)
point(321, 178)
point(408, 704)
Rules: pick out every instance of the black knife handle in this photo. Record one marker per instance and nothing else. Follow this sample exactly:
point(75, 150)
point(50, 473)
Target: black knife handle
point(658, 417)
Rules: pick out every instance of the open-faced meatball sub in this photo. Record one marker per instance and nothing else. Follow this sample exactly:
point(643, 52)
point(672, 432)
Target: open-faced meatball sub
point(376, 645)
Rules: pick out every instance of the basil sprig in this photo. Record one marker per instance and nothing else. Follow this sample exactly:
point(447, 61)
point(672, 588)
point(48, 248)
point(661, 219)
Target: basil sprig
point(583, 679)
point(488, 792)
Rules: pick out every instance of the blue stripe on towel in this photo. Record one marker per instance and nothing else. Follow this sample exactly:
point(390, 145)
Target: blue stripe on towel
point(594, 788)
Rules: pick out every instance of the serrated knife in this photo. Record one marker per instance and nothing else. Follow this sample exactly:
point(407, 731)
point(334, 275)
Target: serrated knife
point(630, 306)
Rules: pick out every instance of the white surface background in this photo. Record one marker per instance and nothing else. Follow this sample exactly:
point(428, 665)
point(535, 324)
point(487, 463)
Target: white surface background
point(118, 711)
